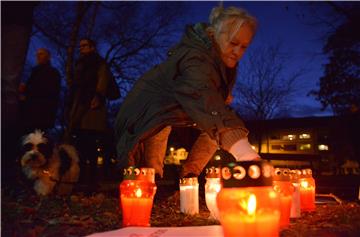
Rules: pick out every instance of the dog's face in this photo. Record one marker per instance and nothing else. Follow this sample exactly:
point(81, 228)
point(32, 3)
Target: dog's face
point(36, 150)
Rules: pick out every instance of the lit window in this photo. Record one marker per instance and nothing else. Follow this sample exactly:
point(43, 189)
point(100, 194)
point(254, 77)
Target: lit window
point(217, 157)
point(323, 147)
point(305, 136)
point(289, 137)
point(304, 147)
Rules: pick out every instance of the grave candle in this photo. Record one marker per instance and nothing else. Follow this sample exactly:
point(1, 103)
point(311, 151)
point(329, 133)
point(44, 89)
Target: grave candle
point(284, 187)
point(295, 201)
point(248, 205)
point(307, 190)
point(136, 198)
point(189, 195)
point(212, 188)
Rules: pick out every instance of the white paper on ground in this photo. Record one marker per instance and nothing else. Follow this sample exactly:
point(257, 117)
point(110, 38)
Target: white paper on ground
point(199, 231)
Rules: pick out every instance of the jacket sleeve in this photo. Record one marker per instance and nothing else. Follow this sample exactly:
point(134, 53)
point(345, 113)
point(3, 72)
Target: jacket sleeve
point(197, 89)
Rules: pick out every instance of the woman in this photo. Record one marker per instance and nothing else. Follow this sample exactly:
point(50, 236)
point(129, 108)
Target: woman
point(192, 87)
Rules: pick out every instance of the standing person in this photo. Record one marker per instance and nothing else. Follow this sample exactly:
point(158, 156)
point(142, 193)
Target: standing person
point(40, 95)
point(93, 84)
point(192, 87)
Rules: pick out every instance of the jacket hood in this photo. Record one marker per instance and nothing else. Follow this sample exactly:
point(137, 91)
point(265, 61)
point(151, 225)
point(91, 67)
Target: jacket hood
point(196, 36)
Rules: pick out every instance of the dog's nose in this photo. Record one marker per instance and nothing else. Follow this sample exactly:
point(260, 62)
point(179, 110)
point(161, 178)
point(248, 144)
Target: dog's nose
point(33, 156)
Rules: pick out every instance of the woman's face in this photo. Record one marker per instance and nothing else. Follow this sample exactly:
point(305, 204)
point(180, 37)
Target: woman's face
point(233, 45)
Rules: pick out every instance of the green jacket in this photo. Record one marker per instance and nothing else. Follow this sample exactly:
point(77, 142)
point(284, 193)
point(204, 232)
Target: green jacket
point(92, 78)
point(188, 89)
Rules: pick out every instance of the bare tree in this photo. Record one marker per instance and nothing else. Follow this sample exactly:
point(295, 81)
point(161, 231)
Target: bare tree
point(132, 36)
point(264, 88)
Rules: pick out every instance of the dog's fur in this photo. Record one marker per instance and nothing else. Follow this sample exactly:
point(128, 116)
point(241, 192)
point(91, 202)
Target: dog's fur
point(54, 168)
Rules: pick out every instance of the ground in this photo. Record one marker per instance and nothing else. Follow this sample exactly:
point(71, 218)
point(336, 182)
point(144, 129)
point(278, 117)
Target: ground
point(26, 215)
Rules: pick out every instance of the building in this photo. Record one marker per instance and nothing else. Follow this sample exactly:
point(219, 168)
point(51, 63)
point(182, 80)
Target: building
point(323, 143)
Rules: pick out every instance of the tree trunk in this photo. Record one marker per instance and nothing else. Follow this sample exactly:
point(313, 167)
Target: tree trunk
point(16, 29)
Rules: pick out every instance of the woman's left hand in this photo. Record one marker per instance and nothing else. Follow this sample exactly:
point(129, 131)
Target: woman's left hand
point(229, 99)
point(95, 103)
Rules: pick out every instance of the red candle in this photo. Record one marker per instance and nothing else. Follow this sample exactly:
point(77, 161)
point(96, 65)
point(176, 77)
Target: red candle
point(307, 191)
point(247, 203)
point(249, 212)
point(284, 187)
point(136, 200)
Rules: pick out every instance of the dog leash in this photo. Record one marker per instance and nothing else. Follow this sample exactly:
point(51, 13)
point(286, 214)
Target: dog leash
point(46, 172)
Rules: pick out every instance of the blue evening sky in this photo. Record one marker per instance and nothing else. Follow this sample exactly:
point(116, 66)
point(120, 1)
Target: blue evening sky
point(282, 22)
point(278, 22)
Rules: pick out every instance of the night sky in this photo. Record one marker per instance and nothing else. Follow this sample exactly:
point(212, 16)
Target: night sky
point(285, 22)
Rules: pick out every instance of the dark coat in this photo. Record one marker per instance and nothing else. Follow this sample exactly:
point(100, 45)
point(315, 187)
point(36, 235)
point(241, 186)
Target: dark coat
point(92, 78)
point(188, 89)
point(42, 98)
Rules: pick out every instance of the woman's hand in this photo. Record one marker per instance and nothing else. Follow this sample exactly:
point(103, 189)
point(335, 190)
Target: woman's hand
point(229, 99)
point(95, 102)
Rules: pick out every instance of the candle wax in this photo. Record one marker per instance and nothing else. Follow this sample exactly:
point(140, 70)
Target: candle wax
point(307, 194)
point(136, 210)
point(189, 199)
point(259, 225)
point(210, 198)
point(307, 199)
point(249, 211)
point(285, 207)
point(295, 202)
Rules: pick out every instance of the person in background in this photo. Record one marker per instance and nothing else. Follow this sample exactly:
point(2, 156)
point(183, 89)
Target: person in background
point(92, 86)
point(40, 95)
point(192, 87)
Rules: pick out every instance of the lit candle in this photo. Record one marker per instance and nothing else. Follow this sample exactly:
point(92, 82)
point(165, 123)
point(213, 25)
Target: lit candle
point(247, 203)
point(189, 195)
point(136, 198)
point(100, 158)
point(295, 200)
point(284, 187)
point(212, 188)
point(307, 190)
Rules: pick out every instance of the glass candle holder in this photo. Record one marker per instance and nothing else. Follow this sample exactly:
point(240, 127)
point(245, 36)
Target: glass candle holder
point(146, 174)
point(295, 211)
point(189, 196)
point(136, 198)
point(307, 190)
point(283, 186)
point(247, 203)
point(212, 188)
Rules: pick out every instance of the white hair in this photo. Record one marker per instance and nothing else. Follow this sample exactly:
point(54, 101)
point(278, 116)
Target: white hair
point(35, 138)
point(236, 18)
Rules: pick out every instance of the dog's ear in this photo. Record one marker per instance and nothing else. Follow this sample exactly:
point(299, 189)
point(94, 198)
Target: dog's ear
point(22, 148)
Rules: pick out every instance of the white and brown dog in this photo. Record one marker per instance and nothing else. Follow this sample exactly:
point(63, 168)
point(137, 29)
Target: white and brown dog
point(54, 169)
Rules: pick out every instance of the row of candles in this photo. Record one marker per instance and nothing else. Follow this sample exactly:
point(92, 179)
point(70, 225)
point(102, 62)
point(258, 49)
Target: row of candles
point(249, 198)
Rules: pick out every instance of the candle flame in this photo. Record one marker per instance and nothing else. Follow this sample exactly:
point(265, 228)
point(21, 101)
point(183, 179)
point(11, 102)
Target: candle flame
point(304, 184)
point(138, 193)
point(251, 205)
